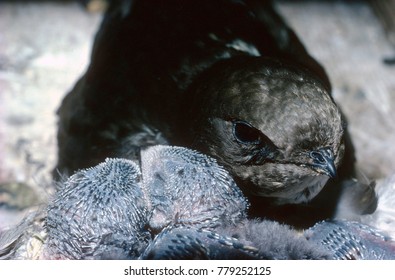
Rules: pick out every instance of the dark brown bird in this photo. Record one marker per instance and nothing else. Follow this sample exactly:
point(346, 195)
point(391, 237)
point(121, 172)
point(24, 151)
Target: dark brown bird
point(228, 78)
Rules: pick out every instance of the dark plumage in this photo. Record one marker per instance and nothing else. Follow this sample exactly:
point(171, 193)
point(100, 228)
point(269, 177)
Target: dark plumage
point(348, 240)
point(271, 125)
point(228, 78)
point(100, 213)
point(249, 239)
point(189, 188)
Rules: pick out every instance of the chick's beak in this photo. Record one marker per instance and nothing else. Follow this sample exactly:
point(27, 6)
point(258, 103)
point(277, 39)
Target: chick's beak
point(323, 161)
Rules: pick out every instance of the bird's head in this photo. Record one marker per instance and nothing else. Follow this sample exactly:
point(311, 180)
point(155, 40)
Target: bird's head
point(273, 126)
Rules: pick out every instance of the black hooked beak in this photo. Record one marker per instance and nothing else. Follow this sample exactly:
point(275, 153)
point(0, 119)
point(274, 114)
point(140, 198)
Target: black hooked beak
point(324, 161)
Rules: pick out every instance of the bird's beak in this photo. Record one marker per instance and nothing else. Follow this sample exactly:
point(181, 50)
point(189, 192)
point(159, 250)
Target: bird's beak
point(324, 162)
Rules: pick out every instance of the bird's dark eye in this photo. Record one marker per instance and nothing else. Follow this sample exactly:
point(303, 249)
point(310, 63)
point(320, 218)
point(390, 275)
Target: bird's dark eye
point(246, 133)
point(260, 149)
